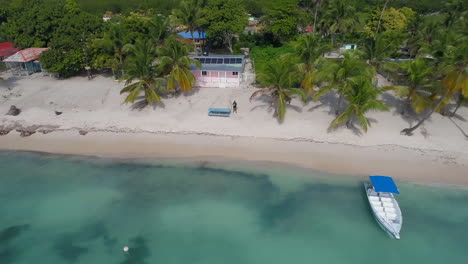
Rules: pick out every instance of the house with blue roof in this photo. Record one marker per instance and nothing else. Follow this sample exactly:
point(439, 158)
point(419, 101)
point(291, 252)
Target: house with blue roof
point(219, 71)
point(199, 38)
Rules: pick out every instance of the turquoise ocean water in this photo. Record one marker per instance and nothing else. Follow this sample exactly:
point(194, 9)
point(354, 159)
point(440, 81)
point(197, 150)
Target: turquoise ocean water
point(57, 209)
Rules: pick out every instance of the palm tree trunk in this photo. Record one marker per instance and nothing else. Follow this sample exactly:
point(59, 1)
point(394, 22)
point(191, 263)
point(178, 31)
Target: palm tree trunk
point(338, 107)
point(121, 65)
point(228, 38)
point(380, 19)
point(315, 18)
point(459, 103)
point(409, 131)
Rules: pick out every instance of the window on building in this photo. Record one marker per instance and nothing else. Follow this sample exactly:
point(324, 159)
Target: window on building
point(235, 73)
point(204, 73)
point(197, 41)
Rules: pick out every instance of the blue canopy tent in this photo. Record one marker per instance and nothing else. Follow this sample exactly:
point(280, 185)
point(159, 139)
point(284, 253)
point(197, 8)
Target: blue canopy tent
point(384, 184)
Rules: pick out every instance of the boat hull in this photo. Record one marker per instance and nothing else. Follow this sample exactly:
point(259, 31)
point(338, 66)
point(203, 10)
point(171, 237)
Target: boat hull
point(390, 229)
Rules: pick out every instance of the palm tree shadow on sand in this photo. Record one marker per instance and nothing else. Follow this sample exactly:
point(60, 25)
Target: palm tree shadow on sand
point(268, 103)
point(141, 103)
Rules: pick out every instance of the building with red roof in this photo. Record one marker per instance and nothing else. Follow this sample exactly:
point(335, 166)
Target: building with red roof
point(6, 49)
point(309, 29)
point(24, 62)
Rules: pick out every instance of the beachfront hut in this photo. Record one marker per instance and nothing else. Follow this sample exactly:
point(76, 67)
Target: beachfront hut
point(24, 62)
point(199, 38)
point(349, 47)
point(251, 27)
point(219, 71)
point(6, 49)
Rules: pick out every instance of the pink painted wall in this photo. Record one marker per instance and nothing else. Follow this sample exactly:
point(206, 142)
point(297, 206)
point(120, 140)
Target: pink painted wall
point(197, 74)
point(216, 79)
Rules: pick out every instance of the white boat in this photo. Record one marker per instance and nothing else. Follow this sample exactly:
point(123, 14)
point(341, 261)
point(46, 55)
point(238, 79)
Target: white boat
point(384, 206)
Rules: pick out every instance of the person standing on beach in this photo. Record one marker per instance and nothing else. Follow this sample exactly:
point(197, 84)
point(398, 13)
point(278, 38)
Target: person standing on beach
point(234, 106)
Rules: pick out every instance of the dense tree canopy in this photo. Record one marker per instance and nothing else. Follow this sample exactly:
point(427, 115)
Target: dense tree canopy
point(225, 19)
point(421, 46)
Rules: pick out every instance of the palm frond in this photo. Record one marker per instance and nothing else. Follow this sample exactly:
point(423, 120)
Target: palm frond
point(130, 87)
point(363, 121)
point(132, 96)
point(262, 91)
point(322, 91)
point(399, 90)
point(300, 92)
point(151, 95)
point(342, 119)
point(281, 107)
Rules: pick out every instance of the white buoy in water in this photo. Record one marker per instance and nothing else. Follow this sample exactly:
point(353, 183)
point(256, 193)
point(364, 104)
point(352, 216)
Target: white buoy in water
point(126, 249)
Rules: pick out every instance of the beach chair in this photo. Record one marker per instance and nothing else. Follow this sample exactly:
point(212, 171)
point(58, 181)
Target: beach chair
point(224, 112)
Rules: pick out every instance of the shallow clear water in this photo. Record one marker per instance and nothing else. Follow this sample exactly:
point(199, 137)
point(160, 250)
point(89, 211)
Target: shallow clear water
point(57, 209)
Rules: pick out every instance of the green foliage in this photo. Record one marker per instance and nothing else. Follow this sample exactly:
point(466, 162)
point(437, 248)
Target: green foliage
point(141, 73)
point(224, 19)
point(65, 63)
point(108, 52)
point(392, 20)
point(39, 23)
point(263, 56)
point(339, 72)
point(361, 95)
point(419, 89)
point(282, 21)
point(175, 65)
point(308, 50)
point(71, 6)
point(382, 46)
point(280, 78)
point(189, 14)
point(101, 6)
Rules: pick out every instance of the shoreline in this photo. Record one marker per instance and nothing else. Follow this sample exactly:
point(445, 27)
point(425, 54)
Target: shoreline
point(403, 163)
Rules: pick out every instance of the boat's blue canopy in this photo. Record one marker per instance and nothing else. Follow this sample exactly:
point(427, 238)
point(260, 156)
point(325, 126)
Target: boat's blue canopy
point(384, 184)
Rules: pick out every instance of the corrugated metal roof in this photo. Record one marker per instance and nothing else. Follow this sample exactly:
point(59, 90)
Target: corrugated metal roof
point(196, 35)
point(7, 48)
point(26, 55)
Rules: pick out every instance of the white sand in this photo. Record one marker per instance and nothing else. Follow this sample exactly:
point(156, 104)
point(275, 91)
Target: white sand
point(96, 106)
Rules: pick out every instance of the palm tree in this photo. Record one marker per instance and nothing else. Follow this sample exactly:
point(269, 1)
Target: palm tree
point(309, 49)
point(280, 78)
point(189, 14)
point(310, 5)
point(114, 43)
point(419, 82)
point(318, 3)
point(461, 100)
point(338, 73)
point(175, 65)
point(340, 17)
point(380, 18)
point(454, 66)
point(141, 72)
point(159, 28)
point(378, 48)
point(456, 81)
point(362, 98)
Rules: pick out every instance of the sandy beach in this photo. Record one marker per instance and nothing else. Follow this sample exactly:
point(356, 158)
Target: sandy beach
point(180, 128)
